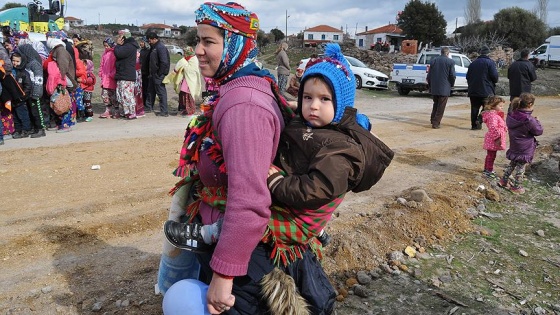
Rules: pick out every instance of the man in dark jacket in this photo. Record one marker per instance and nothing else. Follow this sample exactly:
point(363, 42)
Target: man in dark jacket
point(159, 67)
point(145, 68)
point(520, 74)
point(441, 78)
point(482, 77)
point(125, 53)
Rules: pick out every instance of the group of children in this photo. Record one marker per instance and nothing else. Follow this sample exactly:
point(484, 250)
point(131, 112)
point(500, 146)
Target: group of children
point(522, 128)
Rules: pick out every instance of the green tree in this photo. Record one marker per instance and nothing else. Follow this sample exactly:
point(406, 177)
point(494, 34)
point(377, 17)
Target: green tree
point(190, 36)
point(422, 21)
point(11, 5)
point(262, 39)
point(278, 34)
point(554, 31)
point(519, 27)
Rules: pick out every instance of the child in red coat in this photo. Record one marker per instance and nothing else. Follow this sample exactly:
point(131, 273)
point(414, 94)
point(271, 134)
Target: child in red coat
point(495, 137)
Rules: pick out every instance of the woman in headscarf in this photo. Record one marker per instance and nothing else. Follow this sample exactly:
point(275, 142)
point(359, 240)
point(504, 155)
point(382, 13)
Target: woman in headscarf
point(283, 66)
point(188, 82)
point(226, 157)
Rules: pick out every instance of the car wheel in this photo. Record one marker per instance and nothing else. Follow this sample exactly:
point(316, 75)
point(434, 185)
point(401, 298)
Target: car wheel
point(179, 53)
point(358, 82)
point(402, 91)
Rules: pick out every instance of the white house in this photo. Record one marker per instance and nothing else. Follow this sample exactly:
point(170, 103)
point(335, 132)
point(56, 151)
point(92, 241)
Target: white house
point(72, 21)
point(389, 35)
point(321, 34)
point(161, 30)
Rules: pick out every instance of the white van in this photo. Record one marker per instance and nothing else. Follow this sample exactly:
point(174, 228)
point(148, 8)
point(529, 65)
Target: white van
point(548, 54)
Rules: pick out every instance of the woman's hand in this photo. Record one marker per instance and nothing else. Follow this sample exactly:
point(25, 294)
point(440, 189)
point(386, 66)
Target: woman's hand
point(219, 297)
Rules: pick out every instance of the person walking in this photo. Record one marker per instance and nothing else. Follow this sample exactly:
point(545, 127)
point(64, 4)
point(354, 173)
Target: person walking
point(482, 77)
point(159, 65)
point(520, 74)
point(283, 66)
point(441, 78)
point(125, 53)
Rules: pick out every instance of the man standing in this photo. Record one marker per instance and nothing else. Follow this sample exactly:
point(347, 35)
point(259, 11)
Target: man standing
point(441, 77)
point(482, 77)
point(159, 67)
point(125, 53)
point(520, 74)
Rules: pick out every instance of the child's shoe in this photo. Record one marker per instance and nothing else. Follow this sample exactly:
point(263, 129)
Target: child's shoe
point(89, 119)
point(503, 183)
point(185, 236)
point(106, 114)
point(490, 174)
point(63, 130)
point(518, 190)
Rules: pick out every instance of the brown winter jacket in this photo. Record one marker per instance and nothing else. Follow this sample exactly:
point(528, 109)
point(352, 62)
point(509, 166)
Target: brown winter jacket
point(324, 163)
point(65, 63)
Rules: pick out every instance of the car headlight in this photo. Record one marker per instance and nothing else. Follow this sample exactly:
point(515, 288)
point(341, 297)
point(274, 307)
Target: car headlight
point(369, 75)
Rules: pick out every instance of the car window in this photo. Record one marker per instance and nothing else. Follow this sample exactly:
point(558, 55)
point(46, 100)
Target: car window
point(355, 62)
point(429, 58)
point(466, 62)
point(457, 60)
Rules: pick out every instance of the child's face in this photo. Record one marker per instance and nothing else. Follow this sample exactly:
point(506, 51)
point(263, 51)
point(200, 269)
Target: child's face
point(317, 105)
point(16, 61)
point(500, 106)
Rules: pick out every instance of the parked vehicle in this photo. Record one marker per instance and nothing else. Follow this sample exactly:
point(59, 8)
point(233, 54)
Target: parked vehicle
point(365, 76)
point(547, 54)
point(413, 77)
point(174, 49)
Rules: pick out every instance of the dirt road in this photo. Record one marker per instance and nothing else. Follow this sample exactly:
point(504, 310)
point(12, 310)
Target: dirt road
point(81, 241)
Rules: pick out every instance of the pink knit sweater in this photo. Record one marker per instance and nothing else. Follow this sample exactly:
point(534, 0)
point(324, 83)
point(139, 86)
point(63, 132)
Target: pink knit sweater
point(249, 123)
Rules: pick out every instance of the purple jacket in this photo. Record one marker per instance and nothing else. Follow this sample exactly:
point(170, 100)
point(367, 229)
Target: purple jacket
point(522, 131)
point(249, 123)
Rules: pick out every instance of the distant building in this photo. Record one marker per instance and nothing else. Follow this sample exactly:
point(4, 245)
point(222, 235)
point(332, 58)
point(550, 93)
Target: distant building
point(161, 30)
point(322, 34)
point(73, 22)
point(389, 35)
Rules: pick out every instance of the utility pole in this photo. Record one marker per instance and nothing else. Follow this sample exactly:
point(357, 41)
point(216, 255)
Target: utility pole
point(287, 16)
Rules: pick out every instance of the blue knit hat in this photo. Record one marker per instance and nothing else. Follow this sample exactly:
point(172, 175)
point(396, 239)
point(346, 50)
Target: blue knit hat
point(335, 70)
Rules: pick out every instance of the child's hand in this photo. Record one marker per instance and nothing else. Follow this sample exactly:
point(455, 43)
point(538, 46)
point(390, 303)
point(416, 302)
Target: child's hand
point(498, 141)
point(272, 170)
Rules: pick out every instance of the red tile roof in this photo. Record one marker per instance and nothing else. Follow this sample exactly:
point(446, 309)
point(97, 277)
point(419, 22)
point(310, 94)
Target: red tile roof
point(323, 28)
point(71, 18)
point(389, 28)
point(155, 25)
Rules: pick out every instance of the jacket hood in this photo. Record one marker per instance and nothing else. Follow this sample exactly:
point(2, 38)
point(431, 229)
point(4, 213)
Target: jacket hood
point(23, 62)
point(488, 113)
point(53, 42)
point(518, 118)
point(132, 41)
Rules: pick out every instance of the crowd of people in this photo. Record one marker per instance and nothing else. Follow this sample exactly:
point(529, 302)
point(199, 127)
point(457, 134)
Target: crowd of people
point(49, 85)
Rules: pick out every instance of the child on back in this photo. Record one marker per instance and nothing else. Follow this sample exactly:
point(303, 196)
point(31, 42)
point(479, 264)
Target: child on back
point(495, 137)
point(324, 152)
point(88, 85)
point(522, 128)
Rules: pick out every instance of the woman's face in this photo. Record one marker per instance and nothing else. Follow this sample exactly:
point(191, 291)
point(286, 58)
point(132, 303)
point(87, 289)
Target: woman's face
point(209, 49)
point(8, 46)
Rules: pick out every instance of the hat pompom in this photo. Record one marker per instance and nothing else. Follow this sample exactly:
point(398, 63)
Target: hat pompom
point(334, 51)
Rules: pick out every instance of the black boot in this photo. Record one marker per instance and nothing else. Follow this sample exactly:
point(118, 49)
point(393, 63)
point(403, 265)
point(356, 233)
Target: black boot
point(185, 236)
point(324, 238)
point(38, 133)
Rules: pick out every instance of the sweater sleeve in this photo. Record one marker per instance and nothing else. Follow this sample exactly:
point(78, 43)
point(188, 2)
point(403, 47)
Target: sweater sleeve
point(248, 150)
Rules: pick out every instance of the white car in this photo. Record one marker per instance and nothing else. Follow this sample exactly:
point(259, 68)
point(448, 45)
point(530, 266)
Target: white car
point(365, 77)
point(174, 49)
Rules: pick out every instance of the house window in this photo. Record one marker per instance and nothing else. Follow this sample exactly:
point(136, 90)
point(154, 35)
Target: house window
point(323, 36)
point(361, 42)
point(379, 39)
point(309, 36)
point(335, 37)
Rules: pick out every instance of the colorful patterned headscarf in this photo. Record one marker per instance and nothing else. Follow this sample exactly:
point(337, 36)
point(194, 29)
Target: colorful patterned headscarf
point(109, 42)
point(240, 27)
point(60, 35)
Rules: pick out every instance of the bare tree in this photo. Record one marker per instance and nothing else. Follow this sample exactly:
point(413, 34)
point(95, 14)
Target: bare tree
point(541, 10)
point(472, 11)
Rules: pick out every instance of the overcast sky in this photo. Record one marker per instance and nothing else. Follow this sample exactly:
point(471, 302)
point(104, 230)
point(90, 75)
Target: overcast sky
point(352, 15)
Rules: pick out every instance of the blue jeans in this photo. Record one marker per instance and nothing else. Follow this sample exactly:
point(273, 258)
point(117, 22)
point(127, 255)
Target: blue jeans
point(1, 131)
point(21, 117)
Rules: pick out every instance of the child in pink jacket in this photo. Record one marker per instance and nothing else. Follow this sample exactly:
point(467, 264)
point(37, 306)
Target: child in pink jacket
point(495, 137)
point(88, 85)
point(107, 70)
